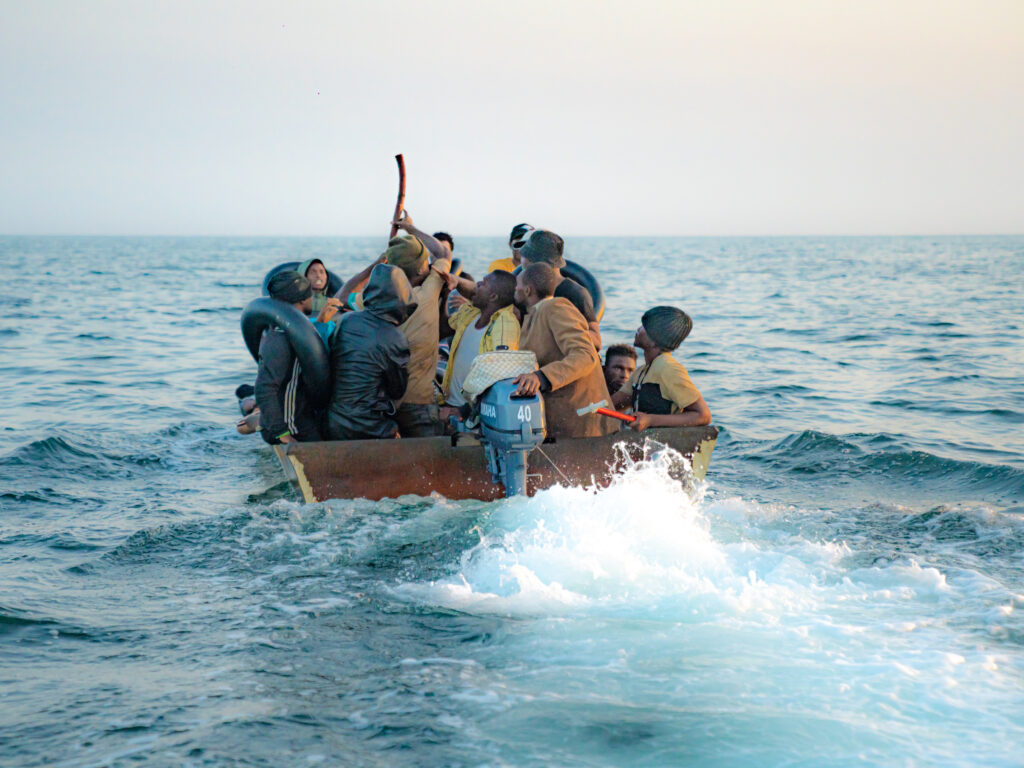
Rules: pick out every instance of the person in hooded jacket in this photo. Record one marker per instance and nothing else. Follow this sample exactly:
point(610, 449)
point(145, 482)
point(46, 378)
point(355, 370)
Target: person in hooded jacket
point(370, 360)
point(286, 413)
point(425, 261)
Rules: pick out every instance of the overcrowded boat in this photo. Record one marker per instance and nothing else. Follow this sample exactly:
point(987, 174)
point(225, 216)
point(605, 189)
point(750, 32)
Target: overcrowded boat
point(501, 415)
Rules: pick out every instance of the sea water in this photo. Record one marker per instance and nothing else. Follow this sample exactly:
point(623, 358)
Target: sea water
point(846, 588)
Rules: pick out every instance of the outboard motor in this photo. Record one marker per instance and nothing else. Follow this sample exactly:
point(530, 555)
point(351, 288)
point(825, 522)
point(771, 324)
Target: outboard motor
point(509, 427)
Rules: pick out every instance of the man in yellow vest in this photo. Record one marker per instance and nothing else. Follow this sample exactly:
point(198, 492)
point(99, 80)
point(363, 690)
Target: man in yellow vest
point(486, 323)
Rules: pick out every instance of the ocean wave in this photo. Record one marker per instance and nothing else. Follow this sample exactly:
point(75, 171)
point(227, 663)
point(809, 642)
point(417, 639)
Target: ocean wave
point(63, 453)
point(94, 337)
point(862, 455)
point(37, 628)
point(12, 620)
point(175, 447)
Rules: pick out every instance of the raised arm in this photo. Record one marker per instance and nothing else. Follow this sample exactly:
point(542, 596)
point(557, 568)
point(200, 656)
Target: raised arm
point(357, 282)
point(463, 285)
point(437, 250)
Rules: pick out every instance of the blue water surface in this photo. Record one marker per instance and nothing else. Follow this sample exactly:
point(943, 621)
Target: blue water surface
point(846, 588)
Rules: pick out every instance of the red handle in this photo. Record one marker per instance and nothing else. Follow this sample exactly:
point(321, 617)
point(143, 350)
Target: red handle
point(616, 415)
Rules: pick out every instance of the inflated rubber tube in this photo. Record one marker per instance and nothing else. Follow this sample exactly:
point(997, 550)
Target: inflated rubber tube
point(584, 277)
point(264, 313)
point(456, 268)
point(334, 282)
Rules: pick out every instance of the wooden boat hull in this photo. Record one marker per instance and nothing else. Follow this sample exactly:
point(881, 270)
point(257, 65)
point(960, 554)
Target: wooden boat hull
point(377, 469)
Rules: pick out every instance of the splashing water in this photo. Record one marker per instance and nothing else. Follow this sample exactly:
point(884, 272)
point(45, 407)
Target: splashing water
point(692, 628)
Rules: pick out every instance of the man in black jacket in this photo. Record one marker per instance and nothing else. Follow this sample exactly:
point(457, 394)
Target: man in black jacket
point(370, 359)
point(286, 412)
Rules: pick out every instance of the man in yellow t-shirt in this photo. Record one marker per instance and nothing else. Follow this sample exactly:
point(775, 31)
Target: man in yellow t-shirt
point(661, 392)
point(515, 241)
point(486, 323)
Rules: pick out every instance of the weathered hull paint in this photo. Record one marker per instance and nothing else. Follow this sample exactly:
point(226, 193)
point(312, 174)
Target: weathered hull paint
point(378, 469)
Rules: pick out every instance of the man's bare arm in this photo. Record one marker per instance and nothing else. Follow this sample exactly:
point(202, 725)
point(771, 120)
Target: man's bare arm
point(622, 398)
point(696, 414)
point(358, 281)
point(432, 244)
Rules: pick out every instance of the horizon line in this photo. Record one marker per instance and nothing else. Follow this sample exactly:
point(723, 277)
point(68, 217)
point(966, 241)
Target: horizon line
point(503, 236)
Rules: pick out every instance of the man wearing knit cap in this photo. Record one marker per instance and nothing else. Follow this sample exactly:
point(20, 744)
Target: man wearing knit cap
point(424, 261)
point(661, 392)
point(542, 246)
point(285, 408)
point(570, 375)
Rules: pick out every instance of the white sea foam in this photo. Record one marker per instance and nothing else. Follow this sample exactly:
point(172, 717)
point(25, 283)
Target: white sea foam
point(643, 594)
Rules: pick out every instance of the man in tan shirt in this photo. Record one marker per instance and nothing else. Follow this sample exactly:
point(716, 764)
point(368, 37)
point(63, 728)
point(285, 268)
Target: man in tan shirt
point(570, 375)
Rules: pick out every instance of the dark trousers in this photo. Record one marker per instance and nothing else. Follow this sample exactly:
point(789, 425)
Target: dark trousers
point(415, 420)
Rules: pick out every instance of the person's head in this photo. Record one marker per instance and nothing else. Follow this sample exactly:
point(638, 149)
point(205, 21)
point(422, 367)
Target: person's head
point(535, 283)
point(315, 271)
point(410, 255)
point(518, 234)
point(663, 328)
point(619, 364)
point(292, 288)
point(444, 237)
point(516, 238)
point(496, 291)
point(388, 294)
point(542, 246)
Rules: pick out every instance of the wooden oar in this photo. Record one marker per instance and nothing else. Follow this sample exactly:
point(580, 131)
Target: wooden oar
point(400, 204)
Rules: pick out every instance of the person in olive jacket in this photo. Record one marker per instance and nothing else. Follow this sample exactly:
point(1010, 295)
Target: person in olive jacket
point(370, 360)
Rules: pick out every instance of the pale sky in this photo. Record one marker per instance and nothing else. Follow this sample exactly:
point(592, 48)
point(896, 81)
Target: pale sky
point(711, 117)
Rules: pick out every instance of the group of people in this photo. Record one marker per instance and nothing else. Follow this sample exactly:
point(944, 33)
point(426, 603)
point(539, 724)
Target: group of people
point(383, 330)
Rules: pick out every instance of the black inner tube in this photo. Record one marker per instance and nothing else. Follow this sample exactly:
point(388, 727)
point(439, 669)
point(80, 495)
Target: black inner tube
point(262, 313)
point(334, 282)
